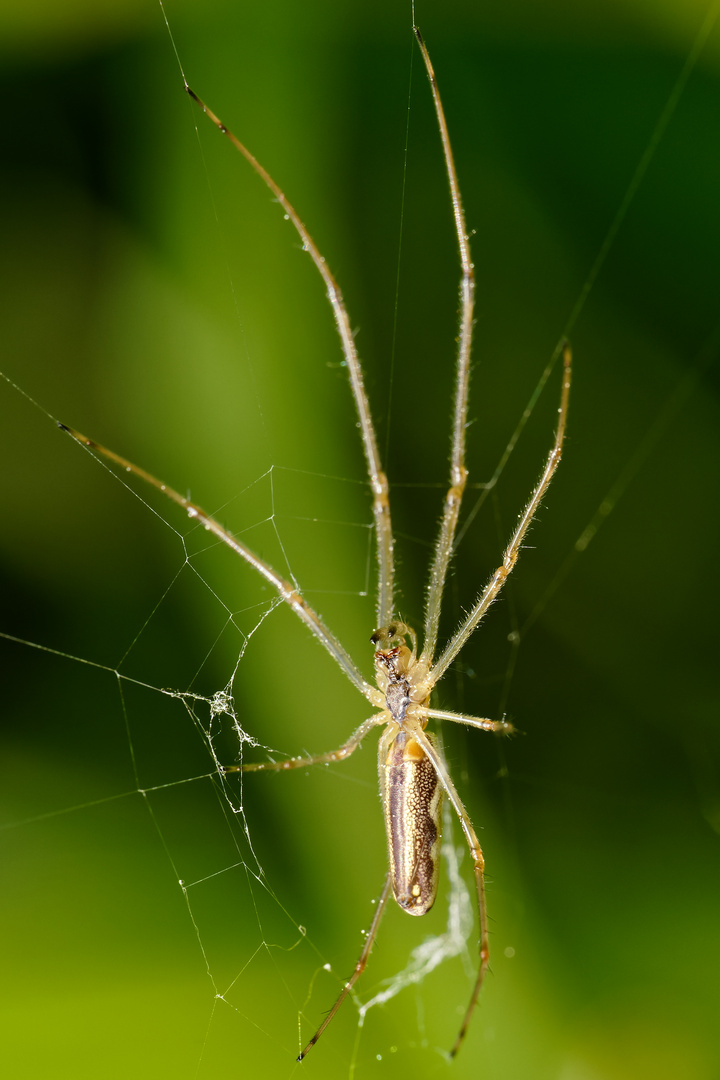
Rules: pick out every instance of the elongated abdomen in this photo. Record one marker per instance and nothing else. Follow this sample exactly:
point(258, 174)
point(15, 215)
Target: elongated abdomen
point(411, 797)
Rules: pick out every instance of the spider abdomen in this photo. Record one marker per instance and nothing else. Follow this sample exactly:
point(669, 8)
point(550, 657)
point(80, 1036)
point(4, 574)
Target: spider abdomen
point(411, 795)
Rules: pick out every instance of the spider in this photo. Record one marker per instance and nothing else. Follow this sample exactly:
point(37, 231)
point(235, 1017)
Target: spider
point(413, 775)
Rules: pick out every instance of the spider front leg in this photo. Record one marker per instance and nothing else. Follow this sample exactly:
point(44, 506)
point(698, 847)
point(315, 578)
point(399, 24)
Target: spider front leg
point(458, 471)
point(512, 550)
point(340, 754)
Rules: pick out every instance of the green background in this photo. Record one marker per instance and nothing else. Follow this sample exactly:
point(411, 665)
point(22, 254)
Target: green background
point(154, 298)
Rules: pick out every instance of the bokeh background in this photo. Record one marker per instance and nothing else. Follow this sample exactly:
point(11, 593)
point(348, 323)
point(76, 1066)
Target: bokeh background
point(154, 298)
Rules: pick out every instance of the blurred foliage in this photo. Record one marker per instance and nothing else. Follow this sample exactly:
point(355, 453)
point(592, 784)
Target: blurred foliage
point(154, 298)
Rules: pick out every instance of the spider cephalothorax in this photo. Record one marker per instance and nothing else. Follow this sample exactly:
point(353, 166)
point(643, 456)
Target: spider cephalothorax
point(400, 676)
point(391, 667)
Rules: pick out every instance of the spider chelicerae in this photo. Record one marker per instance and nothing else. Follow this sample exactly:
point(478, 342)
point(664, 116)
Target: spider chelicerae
point(413, 775)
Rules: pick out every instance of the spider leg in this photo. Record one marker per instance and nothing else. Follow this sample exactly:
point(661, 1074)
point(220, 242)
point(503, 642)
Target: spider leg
point(287, 592)
point(378, 479)
point(472, 721)
point(513, 549)
point(478, 867)
point(340, 754)
point(458, 472)
point(358, 970)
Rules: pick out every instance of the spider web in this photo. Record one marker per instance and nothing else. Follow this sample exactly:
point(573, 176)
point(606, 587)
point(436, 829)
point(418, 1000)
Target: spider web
point(165, 919)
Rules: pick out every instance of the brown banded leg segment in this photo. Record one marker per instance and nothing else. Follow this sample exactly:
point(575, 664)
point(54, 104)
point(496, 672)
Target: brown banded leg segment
point(359, 968)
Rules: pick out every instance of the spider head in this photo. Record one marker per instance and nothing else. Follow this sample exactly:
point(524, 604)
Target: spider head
point(392, 665)
point(395, 633)
point(393, 658)
point(397, 663)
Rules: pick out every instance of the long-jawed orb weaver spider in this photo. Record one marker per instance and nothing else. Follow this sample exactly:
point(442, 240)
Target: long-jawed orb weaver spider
point(413, 775)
